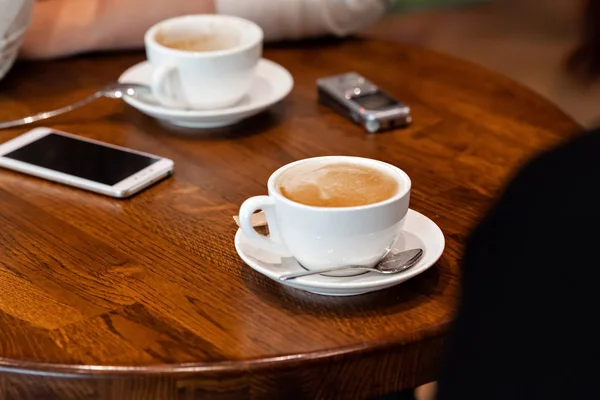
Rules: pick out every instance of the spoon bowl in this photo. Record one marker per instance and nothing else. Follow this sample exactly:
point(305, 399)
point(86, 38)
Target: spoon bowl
point(119, 90)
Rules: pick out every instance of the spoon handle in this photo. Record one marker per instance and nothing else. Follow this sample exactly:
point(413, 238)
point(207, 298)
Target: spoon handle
point(49, 114)
point(321, 271)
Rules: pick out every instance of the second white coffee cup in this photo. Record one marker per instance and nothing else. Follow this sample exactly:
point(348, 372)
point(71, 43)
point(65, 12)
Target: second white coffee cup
point(326, 237)
point(203, 79)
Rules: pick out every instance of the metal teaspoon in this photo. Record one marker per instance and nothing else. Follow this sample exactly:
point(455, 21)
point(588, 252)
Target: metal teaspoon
point(113, 91)
point(389, 265)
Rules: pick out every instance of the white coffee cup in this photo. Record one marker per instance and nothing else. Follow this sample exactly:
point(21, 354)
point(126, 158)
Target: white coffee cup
point(324, 237)
point(203, 79)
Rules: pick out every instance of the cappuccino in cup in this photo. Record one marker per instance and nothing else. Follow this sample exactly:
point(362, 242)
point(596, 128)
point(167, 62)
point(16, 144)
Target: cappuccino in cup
point(203, 61)
point(331, 211)
point(336, 185)
point(198, 43)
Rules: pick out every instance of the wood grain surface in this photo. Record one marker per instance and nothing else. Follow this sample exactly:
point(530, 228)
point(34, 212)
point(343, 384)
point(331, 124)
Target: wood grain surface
point(147, 298)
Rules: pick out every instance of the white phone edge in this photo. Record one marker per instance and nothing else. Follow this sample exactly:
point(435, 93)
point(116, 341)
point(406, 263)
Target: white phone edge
point(126, 188)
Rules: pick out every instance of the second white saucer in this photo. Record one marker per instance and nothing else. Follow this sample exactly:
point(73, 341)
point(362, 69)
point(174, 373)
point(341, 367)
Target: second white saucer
point(418, 232)
point(271, 84)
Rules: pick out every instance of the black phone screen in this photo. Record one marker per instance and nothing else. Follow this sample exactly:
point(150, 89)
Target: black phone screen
point(375, 101)
point(82, 159)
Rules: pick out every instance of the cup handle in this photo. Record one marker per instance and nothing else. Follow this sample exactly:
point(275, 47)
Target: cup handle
point(163, 77)
point(272, 243)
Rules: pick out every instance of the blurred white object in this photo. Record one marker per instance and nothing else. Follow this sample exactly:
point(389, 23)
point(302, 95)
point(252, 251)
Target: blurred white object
point(14, 20)
point(296, 19)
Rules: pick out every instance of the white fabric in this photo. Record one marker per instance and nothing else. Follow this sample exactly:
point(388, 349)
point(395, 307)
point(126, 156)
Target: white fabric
point(12, 16)
point(295, 19)
point(14, 19)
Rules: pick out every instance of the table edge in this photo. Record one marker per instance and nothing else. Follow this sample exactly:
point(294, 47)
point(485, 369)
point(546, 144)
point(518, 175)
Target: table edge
point(8, 365)
point(522, 86)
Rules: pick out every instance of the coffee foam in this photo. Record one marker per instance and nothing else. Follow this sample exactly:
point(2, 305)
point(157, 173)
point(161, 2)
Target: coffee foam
point(340, 184)
point(198, 42)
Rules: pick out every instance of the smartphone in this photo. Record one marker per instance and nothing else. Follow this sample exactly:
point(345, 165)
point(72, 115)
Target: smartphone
point(83, 163)
point(360, 100)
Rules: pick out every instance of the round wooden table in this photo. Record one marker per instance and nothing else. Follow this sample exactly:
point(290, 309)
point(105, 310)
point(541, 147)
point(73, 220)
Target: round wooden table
point(147, 298)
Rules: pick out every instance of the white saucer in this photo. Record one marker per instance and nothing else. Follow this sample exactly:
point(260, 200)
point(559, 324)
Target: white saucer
point(418, 231)
point(271, 84)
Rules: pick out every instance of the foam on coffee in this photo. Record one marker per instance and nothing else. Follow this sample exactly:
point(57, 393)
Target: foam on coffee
point(341, 184)
point(199, 42)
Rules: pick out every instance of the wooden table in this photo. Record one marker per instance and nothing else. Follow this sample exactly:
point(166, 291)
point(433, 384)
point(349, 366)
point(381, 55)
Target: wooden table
point(147, 298)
